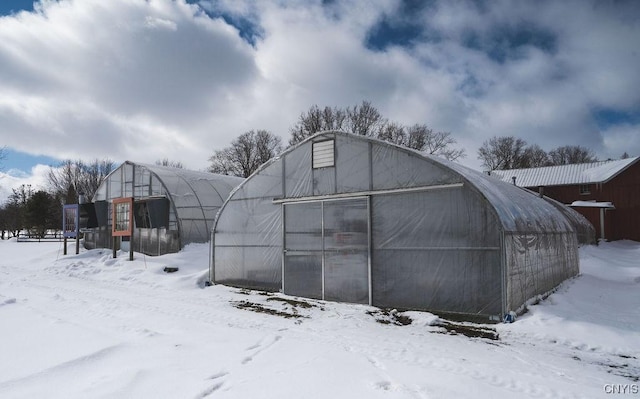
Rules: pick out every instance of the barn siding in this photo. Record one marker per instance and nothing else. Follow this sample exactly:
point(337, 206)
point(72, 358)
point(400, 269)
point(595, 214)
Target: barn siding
point(623, 191)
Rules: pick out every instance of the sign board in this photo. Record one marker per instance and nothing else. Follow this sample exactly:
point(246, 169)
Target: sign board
point(70, 219)
point(122, 217)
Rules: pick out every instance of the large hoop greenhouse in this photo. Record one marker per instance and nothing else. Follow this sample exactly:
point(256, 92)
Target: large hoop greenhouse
point(172, 207)
point(347, 218)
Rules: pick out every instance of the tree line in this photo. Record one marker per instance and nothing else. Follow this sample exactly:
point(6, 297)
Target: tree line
point(40, 211)
point(253, 148)
point(509, 152)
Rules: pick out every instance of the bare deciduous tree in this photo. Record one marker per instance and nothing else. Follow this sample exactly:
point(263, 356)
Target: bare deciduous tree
point(169, 163)
point(535, 157)
point(422, 138)
point(246, 153)
point(71, 178)
point(393, 133)
point(513, 153)
point(440, 144)
point(503, 153)
point(570, 154)
point(317, 120)
point(366, 120)
point(363, 119)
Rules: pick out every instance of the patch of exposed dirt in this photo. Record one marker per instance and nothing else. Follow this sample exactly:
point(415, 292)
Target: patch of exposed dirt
point(247, 291)
point(623, 370)
point(258, 308)
point(293, 302)
point(468, 330)
point(390, 316)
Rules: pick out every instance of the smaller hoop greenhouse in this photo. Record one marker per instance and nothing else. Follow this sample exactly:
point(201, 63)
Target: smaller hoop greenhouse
point(347, 218)
point(172, 207)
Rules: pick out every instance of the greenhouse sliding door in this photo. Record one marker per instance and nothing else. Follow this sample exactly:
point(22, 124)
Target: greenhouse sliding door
point(326, 251)
point(303, 250)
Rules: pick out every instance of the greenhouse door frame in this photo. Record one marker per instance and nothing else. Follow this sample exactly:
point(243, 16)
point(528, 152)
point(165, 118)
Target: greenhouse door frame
point(349, 240)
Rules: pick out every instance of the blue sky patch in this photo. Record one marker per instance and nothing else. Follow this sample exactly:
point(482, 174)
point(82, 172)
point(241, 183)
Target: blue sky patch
point(403, 28)
point(508, 42)
point(472, 88)
point(249, 30)
point(8, 7)
point(385, 34)
point(15, 163)
point(606, 117)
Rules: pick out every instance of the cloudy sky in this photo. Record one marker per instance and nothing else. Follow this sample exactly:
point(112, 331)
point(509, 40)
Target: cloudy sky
point(149, 79)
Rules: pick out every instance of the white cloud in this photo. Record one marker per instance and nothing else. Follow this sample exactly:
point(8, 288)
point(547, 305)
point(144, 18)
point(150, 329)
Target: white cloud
point(145, 80)
point(12, 179)
point(159, 23)
point(620, 139)
point(95, 78)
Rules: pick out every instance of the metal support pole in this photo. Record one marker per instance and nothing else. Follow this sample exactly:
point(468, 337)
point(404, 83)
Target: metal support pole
point(322, 238)
point(602, 223)
point(284, 243)
point(132, 218)
point(131, 247)
point(369, 249)
point(64, 252)
point(115, 252)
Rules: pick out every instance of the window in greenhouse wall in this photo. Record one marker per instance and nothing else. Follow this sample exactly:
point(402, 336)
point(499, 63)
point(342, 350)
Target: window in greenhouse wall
point(151, 213)
point(115, 185)
point(128, 172)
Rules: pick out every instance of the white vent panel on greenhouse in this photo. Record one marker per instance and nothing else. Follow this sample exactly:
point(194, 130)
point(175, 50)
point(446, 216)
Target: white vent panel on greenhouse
point(323, 154)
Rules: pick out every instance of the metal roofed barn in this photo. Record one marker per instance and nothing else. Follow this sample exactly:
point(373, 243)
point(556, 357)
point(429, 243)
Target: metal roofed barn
point(347, 218)
point(607, 193)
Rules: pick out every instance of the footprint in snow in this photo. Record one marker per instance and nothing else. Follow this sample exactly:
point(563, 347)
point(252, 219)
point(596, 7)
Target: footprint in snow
point(213, 388)
point(260, 346)
point(7, 301)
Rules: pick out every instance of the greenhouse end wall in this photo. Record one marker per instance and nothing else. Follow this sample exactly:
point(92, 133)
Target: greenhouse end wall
point(172, 207)
point(384, 225)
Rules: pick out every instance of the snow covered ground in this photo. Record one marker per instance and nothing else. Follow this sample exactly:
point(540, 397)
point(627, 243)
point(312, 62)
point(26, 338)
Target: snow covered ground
point(89, 326)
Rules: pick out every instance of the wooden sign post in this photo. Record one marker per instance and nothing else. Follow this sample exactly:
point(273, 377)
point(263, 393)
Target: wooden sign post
point(70, 225)
point(122, 222)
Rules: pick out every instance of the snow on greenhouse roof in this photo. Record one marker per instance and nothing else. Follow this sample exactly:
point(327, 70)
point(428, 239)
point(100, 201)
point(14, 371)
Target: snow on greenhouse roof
point(583, 173)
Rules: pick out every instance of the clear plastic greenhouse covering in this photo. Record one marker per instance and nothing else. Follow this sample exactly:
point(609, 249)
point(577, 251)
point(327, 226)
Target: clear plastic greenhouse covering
point(173, 206)
point(584, 229)
point(348, 218)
